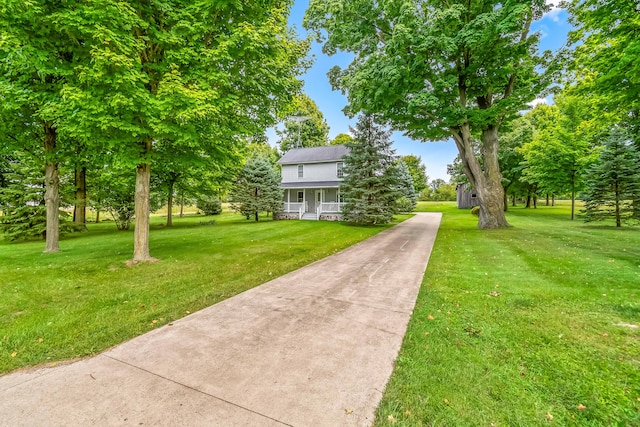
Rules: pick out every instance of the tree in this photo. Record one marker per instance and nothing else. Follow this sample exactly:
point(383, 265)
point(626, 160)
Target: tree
point(370, 184)
point(306, 127)
point(199, 75)
point(38, 54)
point(257, 189)
point(511, 160)
point(605, 66)
point(417, 170)
point(613, 183)
point(405, 186)
point(437, 69)
point(560, 152)
point(341, 139)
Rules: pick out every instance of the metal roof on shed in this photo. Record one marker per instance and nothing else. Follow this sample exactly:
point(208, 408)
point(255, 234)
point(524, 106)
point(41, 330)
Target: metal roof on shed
point(325, 153)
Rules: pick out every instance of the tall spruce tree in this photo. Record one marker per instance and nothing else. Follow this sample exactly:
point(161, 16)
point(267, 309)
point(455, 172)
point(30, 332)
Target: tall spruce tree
point(257, 189)
point(613, 183)
point(371, 185)
point(408, 196)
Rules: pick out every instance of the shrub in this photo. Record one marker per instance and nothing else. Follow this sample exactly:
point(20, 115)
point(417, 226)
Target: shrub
point(404, 205)
point(210, 206)
point(475, 211)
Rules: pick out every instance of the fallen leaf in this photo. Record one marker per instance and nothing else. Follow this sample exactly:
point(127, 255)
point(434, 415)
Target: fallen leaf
point(154, 321)
point(446, 401)
point(430, 317)
point(581, 406)
point(549, 417)
point(40, 339)
point(14, 354)
point(392, 419)
point(348, 411)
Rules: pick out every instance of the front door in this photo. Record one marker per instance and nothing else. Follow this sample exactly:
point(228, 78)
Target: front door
point(318, 199)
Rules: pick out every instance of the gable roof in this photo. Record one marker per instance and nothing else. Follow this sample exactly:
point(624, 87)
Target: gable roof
point(325, 153)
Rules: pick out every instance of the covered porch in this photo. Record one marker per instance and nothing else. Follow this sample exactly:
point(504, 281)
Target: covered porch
point(311, 202)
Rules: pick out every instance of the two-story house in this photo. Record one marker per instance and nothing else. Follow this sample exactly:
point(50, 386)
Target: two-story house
point(311, 181)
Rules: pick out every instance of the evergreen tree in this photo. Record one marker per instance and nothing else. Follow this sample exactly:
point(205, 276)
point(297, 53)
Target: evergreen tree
point(24, 214)
point(408, 196)
point(257, 189)
point(370, 185)
point(613, 183)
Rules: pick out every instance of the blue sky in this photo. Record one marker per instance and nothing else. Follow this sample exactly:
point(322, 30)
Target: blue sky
point(435, 155)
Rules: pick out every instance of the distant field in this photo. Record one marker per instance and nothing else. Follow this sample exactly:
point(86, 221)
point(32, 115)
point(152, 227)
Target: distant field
point(528, 326)
point(85, 299)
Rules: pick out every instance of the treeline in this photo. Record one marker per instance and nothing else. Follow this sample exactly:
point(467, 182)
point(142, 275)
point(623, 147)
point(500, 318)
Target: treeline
point(121, 105)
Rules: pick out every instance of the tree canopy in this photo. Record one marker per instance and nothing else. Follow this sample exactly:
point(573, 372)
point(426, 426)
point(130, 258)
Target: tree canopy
point(305, 127)
point(437, 69)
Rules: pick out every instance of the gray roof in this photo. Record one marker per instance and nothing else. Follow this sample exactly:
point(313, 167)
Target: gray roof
point(311, 184)
point(325, 153)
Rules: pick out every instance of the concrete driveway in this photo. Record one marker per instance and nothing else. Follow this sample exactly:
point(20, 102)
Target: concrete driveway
point(312, 348)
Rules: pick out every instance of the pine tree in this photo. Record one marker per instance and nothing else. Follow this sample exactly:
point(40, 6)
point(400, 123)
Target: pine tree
point(257, 189)
point(24, 214)
point(613, 183)
point(408, 197)
point(370, 185)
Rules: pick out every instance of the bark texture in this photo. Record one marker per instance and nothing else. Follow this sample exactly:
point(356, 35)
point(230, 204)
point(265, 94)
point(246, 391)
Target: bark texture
point(80, 208)
point(488, 181)
point(52, 192)
point(142, 210)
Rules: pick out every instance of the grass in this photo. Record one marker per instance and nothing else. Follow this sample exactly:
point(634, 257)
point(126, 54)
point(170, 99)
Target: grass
point(84, 299)
point(523, 326)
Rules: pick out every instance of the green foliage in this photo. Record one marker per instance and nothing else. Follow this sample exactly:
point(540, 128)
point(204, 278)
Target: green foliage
point(417, 170)
point(86, 300)
point(475, 210)
point(528, 322)
point(404, 205)
point(309, 129)
point(257, 189)
point(210, 206)
point(370, 185)
point(22, 200)
point(22, 203)
point(341, 139)
point(112, 189)
point(613, 183)
point(438, 69)
point(604, 62)
point(439, 190)
point(405, 184)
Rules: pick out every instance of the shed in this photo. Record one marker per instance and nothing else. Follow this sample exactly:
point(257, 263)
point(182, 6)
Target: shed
point(466, 197)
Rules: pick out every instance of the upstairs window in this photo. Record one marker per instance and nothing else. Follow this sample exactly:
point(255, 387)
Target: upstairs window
point(300, 171)
point(339, 173)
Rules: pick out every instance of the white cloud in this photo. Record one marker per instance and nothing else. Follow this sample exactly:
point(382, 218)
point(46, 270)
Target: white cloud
point(554, 12)
point(537, 101)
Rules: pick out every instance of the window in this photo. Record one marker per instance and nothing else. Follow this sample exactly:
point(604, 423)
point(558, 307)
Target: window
point(300, 196)
point(339, 172)
point(340, 197)
point(300, 171)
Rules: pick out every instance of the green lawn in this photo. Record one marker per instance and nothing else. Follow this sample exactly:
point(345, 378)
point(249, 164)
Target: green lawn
point(85, 299)
point(525, 326)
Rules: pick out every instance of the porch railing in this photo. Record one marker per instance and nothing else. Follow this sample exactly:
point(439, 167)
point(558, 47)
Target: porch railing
point(292, 207)
point(330, 207)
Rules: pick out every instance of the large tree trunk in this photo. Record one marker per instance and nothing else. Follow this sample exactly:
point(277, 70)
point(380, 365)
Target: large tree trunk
point(80, 208)
point(142, 210)
point(487, 182)
point(170, 206)
point(51, 193)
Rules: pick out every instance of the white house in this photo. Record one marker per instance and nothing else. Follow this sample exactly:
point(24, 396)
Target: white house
point(311, 181)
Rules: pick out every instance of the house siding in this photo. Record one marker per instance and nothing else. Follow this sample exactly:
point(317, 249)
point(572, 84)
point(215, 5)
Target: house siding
point(312, 172)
